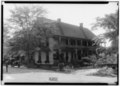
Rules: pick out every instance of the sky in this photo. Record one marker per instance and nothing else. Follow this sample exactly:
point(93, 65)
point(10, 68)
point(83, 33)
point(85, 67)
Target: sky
point(73, 13)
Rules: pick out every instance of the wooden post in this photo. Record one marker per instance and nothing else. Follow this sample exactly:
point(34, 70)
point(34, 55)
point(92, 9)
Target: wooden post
point(67, 57)
point(59, 52)
point(76, 54)
point(59, 39)
point(39, 57)
point(71, 56)
point(87, 43)
point(47, 57)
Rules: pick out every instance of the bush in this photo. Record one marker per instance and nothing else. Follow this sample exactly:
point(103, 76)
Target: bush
point(90, 60)
point(105, 71)
point(107, 59)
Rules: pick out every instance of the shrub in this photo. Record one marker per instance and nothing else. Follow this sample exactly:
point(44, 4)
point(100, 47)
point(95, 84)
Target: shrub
point(108, 59)
point(105, 71)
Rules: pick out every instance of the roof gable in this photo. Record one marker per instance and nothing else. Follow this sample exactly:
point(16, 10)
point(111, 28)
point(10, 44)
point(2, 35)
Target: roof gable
point(74, 31)
point(69, 30)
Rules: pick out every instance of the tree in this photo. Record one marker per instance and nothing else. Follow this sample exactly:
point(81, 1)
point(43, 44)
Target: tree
point(110, 24)
point(28, 33)
point(99, 40)
point(25, 17)
point(6, 38)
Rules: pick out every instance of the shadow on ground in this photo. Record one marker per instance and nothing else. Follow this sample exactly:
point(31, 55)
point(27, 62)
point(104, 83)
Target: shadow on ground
point(14, 70)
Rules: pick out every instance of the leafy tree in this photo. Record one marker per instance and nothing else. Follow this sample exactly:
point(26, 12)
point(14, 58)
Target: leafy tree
point(29, 32)
point(110, 24)
point(24, 17)
point(6, 38)
point(99, 40)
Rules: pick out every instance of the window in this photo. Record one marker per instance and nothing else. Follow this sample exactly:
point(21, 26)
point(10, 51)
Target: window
point(62, 40)
point(78, 42)
point(56, 38)
point(89, 43)
point(72, 42)
point(84, 43)
point(66, 41)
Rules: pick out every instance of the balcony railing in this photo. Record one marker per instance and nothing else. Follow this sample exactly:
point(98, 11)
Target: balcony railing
point(75, 46)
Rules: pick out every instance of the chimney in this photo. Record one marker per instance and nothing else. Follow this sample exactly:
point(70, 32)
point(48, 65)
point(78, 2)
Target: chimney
point(59, 20)
point(81, 25)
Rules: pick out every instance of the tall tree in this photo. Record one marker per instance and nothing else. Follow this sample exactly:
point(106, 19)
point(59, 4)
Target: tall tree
point(28, 33)
point(6, 38)
point(110, 24)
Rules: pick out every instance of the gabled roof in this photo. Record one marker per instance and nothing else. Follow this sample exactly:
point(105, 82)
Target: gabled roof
point(88, 33)
point(69, 30)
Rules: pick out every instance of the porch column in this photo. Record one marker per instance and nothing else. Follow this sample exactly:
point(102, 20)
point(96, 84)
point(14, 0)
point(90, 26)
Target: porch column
point(59, 53)
point(51, 57)
point(39, 57)
point(67, 57)
point(64, 56)
point(76, 52)
point(72, 57)
point(47, 57)
point(36, 56)
point(59, 39)
point(81, 53)
point(86, 43)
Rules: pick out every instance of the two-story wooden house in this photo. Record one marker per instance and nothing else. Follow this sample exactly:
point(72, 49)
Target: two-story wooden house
point(73, 42)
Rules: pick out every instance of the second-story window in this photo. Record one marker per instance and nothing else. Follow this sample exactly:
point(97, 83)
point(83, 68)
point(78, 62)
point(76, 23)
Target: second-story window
point(56, 38)
point(62, 41)
point(78, 42)
point(90, 43)
point(72, 42)
point(86, 43)
point(66, 41)
point(83, 42)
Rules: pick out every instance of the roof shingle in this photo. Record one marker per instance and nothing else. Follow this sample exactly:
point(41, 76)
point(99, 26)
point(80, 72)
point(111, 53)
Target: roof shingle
point(69, 30)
